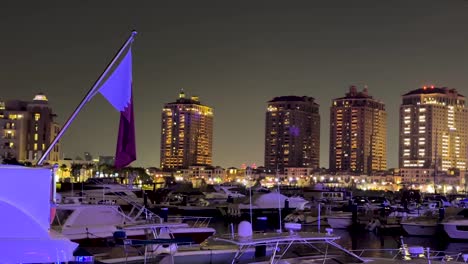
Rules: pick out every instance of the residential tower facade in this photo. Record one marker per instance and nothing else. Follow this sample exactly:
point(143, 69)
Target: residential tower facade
point(292, 133)
point(433, 132)
point(358, 134)
point(186, 133)
point(27, 129)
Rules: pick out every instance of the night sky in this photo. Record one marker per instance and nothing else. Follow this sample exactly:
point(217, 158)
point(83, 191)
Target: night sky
point(234, 55)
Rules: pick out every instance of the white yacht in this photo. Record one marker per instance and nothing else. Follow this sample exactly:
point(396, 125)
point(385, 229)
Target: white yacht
point(420, 226)
point(340, 220)
point(25, 234)
point(90, 224)
point(267, 201)
point(245, 246)
point(106, 193)
point(457, 227)
point(223, 192)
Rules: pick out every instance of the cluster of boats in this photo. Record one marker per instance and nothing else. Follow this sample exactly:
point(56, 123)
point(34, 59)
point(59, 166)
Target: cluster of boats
point(108, 223)
point(426, 219)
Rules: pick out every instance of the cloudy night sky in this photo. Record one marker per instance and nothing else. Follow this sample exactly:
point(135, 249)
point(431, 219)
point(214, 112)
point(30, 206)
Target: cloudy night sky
point(234, 55)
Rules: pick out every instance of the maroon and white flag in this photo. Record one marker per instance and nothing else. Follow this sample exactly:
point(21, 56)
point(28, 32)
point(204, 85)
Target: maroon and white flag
point(118, 91)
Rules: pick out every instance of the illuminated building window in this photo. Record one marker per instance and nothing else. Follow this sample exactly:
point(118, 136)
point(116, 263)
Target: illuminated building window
point(35, 146)
point(37, 116)
point(36, 136)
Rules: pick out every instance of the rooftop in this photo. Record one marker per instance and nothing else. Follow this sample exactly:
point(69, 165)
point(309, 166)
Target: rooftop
point(434, 90)
point(292, 98)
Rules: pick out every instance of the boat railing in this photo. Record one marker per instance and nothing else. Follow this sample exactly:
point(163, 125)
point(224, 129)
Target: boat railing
point(409, 253)
point(139, 211)
point(194, 221)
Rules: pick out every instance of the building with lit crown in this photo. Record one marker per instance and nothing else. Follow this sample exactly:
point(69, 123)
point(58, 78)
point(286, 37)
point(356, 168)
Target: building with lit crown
point(433, 134)
point(358, 134)
point(186, 133)
point(27, 129)
point(292, 133)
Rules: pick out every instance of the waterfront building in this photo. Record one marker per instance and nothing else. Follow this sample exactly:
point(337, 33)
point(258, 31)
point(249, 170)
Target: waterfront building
point(88, 156)
point(211, 175)
point(423, 179)
point(358, 134)
point(298, 176)
point(186, 133)
point(106, 160)
point(27, 129)
point(433, 134)
point(75, 170)
point(292, 133)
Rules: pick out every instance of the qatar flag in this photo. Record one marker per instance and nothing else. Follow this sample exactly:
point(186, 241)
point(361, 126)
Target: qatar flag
point(117, 89)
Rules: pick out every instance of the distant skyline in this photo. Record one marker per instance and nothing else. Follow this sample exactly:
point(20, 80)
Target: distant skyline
point(236, 56)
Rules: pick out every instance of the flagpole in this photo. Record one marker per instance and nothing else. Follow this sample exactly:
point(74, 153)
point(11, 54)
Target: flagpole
point(88, 96)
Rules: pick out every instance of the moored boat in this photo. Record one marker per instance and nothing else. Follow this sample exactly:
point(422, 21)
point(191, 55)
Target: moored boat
point(340, 220)
point(25, 234)
point(89, 224)
point(424, 226)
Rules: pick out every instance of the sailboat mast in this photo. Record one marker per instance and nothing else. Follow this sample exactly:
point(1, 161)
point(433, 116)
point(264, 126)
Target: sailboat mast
point(279, 199)
point(435, 163)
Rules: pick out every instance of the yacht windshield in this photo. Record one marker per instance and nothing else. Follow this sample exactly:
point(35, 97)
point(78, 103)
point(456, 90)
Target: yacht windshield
point(61, 216)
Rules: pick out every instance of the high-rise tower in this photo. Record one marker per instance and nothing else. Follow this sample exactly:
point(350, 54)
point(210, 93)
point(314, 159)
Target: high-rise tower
point(27, 128)
point(358, 136)
point(186, 133)
point(433, 130)
point(292, 133)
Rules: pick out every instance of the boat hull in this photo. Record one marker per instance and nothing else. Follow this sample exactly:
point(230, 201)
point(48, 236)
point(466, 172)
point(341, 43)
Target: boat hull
point(419, 229)
point(106, 240)
point(454, 231)
point(339, 222)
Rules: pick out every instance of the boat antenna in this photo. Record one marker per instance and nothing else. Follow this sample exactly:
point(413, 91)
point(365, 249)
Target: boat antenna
point(249, 172)
point(279, 199)
point(435, 162)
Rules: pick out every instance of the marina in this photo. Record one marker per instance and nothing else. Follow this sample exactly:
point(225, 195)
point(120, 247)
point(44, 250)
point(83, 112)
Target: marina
point(341, 133)
point(123, 228)
point(362, 226)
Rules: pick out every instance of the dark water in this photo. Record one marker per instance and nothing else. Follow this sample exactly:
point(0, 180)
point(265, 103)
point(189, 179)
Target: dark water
point(363, 239)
